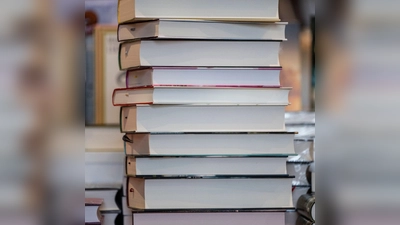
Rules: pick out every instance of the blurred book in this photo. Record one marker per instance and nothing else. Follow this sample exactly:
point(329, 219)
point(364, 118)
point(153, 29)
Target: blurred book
point(104, 157)
point(104, 169)
point(107, 74)
point(112, 199)
point(92, 213)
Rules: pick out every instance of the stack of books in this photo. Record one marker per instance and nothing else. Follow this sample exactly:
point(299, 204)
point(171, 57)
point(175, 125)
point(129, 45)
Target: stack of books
point(203, 112)
point(300, 166)
point(104, 171)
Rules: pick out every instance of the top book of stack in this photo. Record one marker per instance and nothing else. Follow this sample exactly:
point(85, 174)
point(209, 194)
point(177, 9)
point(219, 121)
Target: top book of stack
point(220, 10)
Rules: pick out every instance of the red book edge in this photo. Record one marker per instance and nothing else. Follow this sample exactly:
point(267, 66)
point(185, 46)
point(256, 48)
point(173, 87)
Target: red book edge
point(93, 201)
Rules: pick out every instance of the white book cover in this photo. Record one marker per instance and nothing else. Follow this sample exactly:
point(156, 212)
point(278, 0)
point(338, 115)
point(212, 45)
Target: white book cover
point(198, 53)
point(103, 138)
point(176, 166)
point(195, 118)
point(109, 198)
point(210, 193)
point(210, 218)
point(225, 10)
point(206, 144)
point(201, 95)
point(204, 77)
point(104, 169)
point(201, 29)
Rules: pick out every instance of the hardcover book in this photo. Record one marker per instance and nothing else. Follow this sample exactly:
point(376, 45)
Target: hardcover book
point(223, 10)
point(200, 95)
point(209, 144)
point(208, 166)
point(210, 218)
point(201, 29)
point(198, 53)
point(203, 77)
point(225, 192)
point(203, 118)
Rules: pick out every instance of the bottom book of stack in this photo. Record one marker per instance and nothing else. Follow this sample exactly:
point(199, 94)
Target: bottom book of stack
point(209, 218)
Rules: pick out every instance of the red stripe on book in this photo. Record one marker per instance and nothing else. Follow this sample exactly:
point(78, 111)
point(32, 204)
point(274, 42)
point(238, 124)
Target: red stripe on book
point(215, 86)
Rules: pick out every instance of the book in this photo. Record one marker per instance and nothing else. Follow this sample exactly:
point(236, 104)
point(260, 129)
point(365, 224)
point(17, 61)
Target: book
point(126, 211)
point(92, 213)
point(198, 53)
point(111, 198)
point(107, 74)
point(203, 76)
point(197, 166)
point(104, 170)
point(206, 118)
point(291, 217)
point(210, 218)
point(112, 218)
point(201, 29)
point(200, 95)
point(208, 144)
point(128, 220)
point(103, 139)
point(224, 192)
point(225, 10)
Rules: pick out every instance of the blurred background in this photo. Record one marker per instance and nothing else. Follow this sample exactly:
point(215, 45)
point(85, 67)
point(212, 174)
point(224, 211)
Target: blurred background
point(45, 58)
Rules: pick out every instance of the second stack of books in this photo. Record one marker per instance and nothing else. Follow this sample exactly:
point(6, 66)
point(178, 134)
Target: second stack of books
point(203, 112)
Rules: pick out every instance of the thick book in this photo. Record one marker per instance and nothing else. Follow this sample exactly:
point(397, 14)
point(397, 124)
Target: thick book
point(111, 198)
point(200, 29)
point(103, 139)
point(224, 192)
point(202, 118)
point(198, 53)
point(180, 95)
point(209, 218)
point(208, 144)
point(203, 76)
point(197, 166)
point(224, 10)
point(92, 213)
point(112, 218)
point(104, 170)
